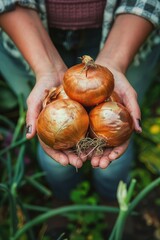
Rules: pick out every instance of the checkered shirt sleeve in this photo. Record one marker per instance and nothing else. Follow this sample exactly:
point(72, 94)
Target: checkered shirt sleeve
point(8, 5)
point(149, 9)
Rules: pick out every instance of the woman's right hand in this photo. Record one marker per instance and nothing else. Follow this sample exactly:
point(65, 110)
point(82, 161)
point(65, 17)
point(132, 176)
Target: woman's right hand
point(34, 102)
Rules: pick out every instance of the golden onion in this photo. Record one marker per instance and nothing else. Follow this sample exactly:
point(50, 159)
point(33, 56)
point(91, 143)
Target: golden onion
point(88, 83)
point(62, 124)
point(111, 122)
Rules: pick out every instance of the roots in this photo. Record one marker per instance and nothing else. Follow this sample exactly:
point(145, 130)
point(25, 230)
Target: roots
point(86, 146)
point(89, 145)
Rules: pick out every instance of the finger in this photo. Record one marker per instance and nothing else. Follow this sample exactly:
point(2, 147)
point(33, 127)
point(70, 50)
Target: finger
point(104, 162)
point(31, 117)
point(73, 159)
point(33, 111)
point(134, 109)
point(118, 151)
point(34, 104)
point(83, 157)
point(95, 161)
point(104, 159)
point(57, 155)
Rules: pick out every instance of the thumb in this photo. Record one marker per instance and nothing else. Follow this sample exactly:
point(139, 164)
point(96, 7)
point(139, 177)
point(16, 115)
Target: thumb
point(33, 111)
point(132, 105)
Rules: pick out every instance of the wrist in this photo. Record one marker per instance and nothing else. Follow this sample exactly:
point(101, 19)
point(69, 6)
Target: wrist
point(124, 41)
point(52, 71)
point(112, 62)
point(50, 75)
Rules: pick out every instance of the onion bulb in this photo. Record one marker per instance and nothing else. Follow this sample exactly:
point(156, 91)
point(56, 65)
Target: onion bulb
point(54, 94)
point(111, 122)
point(88, 83)
point(62, 124)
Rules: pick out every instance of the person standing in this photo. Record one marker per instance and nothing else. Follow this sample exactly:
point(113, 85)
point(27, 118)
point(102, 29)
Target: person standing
point(51, 37)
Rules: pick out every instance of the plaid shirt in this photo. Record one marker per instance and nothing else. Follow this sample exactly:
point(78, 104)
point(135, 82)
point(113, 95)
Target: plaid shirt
point(148, 9)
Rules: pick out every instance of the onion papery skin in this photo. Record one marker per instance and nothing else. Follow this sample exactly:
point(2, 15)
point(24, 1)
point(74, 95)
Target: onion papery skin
point(54, 94)
point(114, 97)
point(88, 84)
point(62, 124)
point(111, 122)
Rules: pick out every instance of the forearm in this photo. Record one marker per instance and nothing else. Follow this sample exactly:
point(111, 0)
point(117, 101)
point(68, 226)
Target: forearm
point(125, 38)
point(26, 30)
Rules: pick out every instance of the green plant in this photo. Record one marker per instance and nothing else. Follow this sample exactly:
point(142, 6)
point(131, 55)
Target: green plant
point(86, 225)
point(12, 164)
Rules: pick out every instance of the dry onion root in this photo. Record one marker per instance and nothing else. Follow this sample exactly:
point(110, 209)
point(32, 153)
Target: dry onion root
point(88, 83)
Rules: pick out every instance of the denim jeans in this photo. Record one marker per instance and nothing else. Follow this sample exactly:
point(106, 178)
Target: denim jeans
point(63, 179)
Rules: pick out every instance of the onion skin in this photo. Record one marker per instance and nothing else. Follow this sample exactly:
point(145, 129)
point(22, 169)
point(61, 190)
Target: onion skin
point(54, 94)
point(62, 124)
point(88, 83)
point(111, 122)
point(114, 98)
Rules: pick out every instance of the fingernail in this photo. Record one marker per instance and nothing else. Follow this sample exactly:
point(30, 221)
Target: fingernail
point(116, 152)
point(113, 155)
point(29, 129)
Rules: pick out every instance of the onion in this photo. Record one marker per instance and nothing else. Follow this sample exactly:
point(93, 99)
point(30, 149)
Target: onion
point(54, 94)
point(62, 124)
point(111, 122)
point(88, 83)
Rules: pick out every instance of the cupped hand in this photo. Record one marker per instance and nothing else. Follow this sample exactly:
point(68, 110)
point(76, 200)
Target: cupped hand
point(128, 97)
point(108, 155)
point(34, 103)
point(65, 157)
point(35, 100)
point(126, 92)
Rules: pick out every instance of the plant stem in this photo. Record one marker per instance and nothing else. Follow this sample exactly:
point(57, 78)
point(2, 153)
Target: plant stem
point(143, 193)
point(124, 198)
point(20, 123)
point(41, 218)
point(19, 166)
point(36, 208)
point(117, 230)
point(13, 145)
point(39, 186)
point(7, 121)
point(9, 168)
point(30, 232)
point(21, 119)
point(120, 224)
point(12, 202)
point(130, 190)
point(122, 217)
